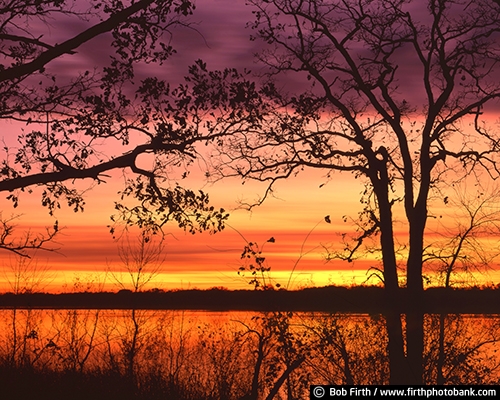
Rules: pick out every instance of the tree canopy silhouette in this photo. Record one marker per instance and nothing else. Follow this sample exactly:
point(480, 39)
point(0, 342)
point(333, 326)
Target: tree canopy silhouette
point(81, 122)
point(390, 91)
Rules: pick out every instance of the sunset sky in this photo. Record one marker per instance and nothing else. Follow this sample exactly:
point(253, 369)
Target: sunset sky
point(295, 217)
point(86, 248)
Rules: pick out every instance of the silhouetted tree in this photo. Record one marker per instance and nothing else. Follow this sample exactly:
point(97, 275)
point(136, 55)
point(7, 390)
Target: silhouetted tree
point(142, 261)
point(29, 241)
point(255, 265)
point(81, 122)
point(351, 112)
point(392, 91)
point(469, 246)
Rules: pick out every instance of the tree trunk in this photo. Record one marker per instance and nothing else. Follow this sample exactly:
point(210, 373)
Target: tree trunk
point(415, 288)
point(414, 265)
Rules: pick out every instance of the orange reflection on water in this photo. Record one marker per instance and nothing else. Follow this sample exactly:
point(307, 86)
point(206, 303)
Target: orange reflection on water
point(221, 350)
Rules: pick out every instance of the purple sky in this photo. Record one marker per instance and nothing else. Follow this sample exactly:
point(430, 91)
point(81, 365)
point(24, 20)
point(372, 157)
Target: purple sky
point(217, 36)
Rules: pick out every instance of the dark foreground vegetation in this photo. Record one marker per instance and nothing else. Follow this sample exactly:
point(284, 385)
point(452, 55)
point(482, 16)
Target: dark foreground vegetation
point(328, 299)
point(182, 355)
point(27, 383)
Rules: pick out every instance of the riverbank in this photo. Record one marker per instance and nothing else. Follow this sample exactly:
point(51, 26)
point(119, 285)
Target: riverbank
point(361, 299)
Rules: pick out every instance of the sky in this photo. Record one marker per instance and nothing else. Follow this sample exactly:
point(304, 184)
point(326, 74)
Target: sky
point(87, 252)
point(295, 218)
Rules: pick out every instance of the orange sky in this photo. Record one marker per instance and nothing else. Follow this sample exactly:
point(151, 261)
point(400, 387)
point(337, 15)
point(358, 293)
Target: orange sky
point(204, 260)
point(87, 250)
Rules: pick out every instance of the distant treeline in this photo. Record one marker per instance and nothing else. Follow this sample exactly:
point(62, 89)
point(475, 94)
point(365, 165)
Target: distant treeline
point(329, 299)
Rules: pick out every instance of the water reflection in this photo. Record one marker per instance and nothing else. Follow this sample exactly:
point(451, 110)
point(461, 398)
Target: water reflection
point(236, 355)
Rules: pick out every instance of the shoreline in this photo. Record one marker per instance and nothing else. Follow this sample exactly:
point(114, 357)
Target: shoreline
point(372, 300)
